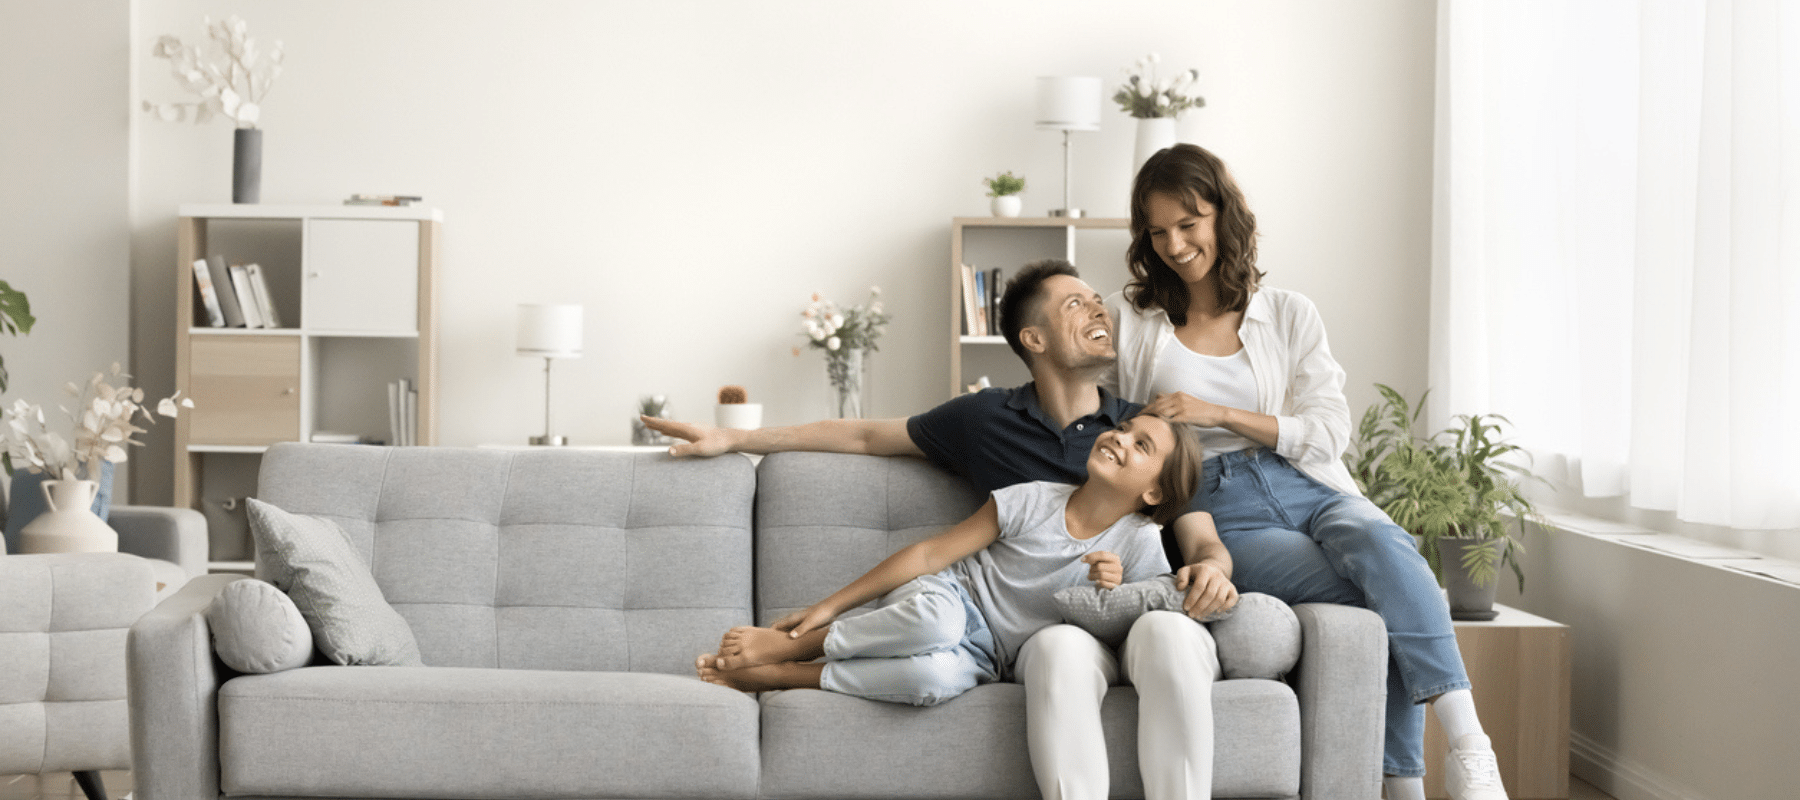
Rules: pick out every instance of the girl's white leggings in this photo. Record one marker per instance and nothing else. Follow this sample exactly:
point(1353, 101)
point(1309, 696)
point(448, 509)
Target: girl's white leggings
point(1172, 662)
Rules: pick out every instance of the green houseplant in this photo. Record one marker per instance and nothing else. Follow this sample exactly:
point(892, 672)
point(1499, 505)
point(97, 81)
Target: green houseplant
point(1004, 189)
point(1458, 490)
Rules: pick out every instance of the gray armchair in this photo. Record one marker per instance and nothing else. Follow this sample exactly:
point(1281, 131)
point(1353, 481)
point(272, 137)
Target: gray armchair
point(63, 623)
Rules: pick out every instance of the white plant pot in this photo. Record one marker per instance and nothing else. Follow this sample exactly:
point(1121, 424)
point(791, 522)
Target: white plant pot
point(742, 416)
point(1007, 205)
point(1152, 135)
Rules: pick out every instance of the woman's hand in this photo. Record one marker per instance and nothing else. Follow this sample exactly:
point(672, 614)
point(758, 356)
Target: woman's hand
point(1208, 590)
point(1184, 407)
point(811, 618)
point(1104, 569)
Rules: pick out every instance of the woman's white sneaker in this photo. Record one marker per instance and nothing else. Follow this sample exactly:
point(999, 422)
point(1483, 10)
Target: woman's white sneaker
point(1471, 771)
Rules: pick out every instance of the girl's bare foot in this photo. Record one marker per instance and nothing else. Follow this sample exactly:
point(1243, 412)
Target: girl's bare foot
point(761, 678)
point(745, 647)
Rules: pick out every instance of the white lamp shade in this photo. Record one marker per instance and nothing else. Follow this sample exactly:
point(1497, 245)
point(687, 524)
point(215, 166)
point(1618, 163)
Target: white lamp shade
point(550, 331)
point(1068, 104)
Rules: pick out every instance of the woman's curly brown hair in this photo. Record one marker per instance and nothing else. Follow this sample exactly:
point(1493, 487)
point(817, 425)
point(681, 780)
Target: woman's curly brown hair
point(1191, 173)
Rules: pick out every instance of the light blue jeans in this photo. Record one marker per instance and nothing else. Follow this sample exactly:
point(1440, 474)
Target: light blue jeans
point(926, 642)
point(1297, 539)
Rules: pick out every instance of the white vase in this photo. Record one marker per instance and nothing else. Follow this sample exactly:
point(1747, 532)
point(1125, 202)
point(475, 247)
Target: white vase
point(1153, 134)
point(1007, 205)
point(70, 525)
point(742, 416)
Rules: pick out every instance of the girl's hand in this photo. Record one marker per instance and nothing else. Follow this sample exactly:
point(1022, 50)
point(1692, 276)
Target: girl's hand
point(1104, 569)
point(1208, 590)
point(807, 619)
point(1184, 407)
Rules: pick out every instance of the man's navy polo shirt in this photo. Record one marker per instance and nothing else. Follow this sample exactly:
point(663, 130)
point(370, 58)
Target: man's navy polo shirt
point(998, 437)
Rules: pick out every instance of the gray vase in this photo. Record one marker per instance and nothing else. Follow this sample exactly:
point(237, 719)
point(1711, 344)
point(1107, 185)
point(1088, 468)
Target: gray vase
point(246, 165)
point(1468, 600)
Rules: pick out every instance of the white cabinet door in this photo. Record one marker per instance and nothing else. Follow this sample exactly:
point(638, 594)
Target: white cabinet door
point(361, 275)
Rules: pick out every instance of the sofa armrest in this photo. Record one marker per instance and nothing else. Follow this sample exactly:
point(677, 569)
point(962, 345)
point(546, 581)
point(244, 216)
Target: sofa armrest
point(1341, 681)
point(172, 683)
point(171, 534)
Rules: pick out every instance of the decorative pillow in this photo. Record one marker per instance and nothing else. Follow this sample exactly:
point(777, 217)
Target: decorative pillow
point(1108, 613)
point(313, 561)
point(257, 629)
point(1261, 638)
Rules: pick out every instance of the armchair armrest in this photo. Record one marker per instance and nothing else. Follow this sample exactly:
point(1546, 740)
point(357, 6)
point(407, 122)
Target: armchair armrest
point(1341, 681)
point(171, 534)
point(172, 686)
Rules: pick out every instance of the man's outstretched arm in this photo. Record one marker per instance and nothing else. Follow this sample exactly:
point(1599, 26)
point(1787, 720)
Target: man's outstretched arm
point(875, 437)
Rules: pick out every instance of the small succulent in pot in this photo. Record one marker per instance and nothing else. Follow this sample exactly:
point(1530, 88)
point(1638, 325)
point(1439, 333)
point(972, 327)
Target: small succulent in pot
point(1004, 184)
point(733, 395)
point(736, 411)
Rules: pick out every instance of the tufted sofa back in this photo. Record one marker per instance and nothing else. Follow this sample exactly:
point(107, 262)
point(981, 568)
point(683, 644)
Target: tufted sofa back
point(539, 559)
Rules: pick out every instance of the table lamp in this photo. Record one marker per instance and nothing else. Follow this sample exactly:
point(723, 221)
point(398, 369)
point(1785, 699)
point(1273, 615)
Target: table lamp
point(1068, 104)
point(549, 332)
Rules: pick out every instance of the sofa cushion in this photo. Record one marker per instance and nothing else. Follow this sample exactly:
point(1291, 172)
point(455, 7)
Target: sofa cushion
point(974, 745)
point(487, 733)
point(1109, 613)
point(1260, 639)
point(256, 628)
point(310, 559)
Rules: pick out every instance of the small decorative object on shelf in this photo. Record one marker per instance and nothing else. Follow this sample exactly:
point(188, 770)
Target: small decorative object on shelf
point(382, 199)
point(1156, 105)
point(736, 411)
point(1004, 189)
point(650, 405)
point(232, 77)
point(847, 336)
point(104, 418)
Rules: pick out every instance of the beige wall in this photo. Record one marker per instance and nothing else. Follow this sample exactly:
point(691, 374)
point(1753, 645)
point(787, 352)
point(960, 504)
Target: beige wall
point(63, 191)
point(692, 171)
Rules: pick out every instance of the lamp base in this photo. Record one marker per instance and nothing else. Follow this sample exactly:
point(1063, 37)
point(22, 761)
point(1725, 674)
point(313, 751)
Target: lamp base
point(549, 441)
point(1071, 213)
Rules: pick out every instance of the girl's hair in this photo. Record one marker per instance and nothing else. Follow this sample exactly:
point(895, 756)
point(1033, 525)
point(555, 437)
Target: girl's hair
point(1191, 173)
point(1180, 476)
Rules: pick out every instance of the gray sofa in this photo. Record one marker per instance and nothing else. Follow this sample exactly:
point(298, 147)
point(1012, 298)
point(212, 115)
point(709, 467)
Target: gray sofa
point(559, 599)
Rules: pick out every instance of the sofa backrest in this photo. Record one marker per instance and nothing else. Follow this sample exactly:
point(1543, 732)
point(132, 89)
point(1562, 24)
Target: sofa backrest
point(823, 519)
point(543, 558)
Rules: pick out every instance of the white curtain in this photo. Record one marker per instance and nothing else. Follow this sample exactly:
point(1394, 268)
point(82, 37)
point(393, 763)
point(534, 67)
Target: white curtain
point(1616, 244)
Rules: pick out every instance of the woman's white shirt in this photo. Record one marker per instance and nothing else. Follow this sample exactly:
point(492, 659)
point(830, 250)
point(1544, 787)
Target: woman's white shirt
point(1222, 380)
point(1297, 380)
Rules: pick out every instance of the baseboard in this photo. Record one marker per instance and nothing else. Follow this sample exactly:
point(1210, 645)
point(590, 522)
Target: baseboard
point(1622, 779)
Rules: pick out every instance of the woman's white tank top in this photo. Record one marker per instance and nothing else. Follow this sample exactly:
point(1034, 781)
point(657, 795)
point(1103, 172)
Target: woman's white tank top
point(1220, 380)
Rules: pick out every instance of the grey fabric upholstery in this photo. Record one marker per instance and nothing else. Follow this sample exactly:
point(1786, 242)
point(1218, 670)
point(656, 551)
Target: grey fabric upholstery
point(310, 559)
point(559, 598)
point(63, 623)
point(175, 535)
point(256, 628)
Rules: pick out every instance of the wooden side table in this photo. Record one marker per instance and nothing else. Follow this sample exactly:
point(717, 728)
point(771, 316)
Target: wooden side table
point(1519, 664)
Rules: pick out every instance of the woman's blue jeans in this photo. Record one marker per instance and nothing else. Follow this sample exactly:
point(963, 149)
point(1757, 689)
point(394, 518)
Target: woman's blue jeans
point(1297, 539)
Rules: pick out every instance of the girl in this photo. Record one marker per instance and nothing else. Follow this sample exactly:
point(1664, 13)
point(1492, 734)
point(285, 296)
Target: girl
point(1204, 343)
point(956, 607)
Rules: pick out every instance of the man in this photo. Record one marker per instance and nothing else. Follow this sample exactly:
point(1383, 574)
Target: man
point(1043, 431)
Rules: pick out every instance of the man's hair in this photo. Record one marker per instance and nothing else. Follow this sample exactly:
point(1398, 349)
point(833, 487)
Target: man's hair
point(1189, 173)
point(1180, 476)
point(1021, 306)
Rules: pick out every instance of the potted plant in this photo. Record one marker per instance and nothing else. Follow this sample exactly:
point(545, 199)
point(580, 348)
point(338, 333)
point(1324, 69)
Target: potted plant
point(736, 411)
point(1004, 189)
point(1155, 104)
point(1457, 490)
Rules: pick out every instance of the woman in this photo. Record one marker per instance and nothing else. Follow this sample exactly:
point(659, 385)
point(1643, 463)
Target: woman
point(1202, 341)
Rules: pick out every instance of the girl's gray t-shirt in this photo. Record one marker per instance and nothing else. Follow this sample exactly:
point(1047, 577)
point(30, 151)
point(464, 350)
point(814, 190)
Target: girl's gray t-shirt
point(1014, 580)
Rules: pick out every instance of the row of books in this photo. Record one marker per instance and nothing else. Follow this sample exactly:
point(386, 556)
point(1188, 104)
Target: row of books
point(403, 413)
point(981, 290)
point(234, 296)
point(382, 199)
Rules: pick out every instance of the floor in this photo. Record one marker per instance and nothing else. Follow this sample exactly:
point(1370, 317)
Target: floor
point(62, 787)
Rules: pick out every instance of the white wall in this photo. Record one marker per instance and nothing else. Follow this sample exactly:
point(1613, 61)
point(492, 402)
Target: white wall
point(63, 192)
point(692, 171)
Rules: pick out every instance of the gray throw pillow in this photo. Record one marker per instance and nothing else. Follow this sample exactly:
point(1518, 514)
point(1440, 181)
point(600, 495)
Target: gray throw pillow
point(1261, 638)
point(313, 561)
point(257, 629)
point(1108, 613)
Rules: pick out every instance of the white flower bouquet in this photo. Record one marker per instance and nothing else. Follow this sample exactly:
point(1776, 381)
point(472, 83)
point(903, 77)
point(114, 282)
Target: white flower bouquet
point(105, 420)
point(845, 335)
point(232, 75)
point(1144, 97)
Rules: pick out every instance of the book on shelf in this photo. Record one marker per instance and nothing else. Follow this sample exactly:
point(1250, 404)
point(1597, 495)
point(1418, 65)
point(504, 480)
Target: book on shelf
point(993, 301)
point(403, 413)
point(246, 297)
point(265, 302)
point(209, 297)
point(221, 281)
point(981, 309)
point(968, 299)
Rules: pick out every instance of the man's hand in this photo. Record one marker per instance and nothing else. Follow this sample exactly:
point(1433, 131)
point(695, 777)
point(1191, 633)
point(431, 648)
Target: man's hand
point(1208, 590)
point(699, 440)
point(1104, 569)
